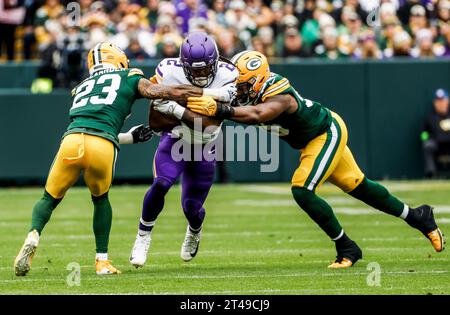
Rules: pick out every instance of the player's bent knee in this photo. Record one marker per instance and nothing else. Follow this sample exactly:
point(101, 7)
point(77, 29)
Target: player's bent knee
point(191, 205)
point(302, 196)
point(348, 184)
point(162, 184)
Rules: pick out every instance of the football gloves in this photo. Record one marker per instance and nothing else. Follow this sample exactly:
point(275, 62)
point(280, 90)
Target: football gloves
point(141, 133)
point(207, 106)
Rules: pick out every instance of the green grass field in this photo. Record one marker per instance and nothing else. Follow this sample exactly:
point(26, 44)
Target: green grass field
point(255, 241)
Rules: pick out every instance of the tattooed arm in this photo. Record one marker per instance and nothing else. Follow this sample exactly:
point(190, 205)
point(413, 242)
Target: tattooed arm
point(180, 93)
point(176, 93)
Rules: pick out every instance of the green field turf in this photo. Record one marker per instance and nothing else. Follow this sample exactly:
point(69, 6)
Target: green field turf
point(255, 241)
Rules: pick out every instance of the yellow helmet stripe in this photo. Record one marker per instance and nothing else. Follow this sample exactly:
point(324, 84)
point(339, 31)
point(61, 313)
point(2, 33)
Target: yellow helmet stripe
point(236, 57)
point(97, 54)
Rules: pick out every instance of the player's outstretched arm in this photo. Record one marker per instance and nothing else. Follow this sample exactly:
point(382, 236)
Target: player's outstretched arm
point(269, 110)
point(185, 115)
point(136, 134)
point(179, 93)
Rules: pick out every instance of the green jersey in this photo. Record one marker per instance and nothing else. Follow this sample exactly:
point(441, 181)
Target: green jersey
point(102, 103)
point(307, 122)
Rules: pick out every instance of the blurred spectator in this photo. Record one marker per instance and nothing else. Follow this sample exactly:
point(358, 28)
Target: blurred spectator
point(349, 31)
point(259, 13)
point(402, 45)
point(329, 47)
point(436, 132)
point(166, 27)
point(293, 45)
point(266, 25)
point(150, 13)
point(47, 23)
point(217, 15)
point(367, 47)
point(168, 48)
point(227, 44)
point(424, 45)
point(130, 28)
point(417, 19)
point(135, 51)
point(188, 11)
point(266, 35)
point(241, 21)
point(12, 13)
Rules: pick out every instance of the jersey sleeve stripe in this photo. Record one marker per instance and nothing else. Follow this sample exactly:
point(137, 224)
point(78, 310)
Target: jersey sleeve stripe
point(276, 91)
point(275, 86)
point(158, 71)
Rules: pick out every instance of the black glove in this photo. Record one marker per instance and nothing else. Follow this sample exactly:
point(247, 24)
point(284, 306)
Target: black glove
point(141, 133)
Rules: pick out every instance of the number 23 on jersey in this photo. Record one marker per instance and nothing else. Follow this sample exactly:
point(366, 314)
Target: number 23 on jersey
point(109, 84)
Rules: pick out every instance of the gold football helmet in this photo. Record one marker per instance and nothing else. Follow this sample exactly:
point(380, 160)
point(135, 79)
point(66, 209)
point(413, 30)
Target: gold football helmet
point(253, 73)
point(106, 55)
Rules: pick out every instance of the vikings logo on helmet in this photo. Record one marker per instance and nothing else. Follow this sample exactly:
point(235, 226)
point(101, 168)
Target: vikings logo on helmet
point(199, 57)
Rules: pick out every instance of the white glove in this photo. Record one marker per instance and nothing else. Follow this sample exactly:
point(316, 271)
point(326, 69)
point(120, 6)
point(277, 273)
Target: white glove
point(169, 108)
point(224, 94)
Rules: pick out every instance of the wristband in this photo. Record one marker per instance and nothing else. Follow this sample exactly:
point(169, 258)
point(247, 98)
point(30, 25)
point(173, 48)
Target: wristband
point(224, 111)
point(178, 111)
point(126, 138)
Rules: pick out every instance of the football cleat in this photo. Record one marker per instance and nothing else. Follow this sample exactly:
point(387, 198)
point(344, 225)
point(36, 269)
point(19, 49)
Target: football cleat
point(343, 263)
point(348, 253)
point(140, 249)
point(190, 245)
point(22, 263)
point(104, 267)
point(422, 218)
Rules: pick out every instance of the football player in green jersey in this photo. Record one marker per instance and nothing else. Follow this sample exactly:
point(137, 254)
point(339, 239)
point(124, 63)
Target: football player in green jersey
point(101, 103)
point(321, 137)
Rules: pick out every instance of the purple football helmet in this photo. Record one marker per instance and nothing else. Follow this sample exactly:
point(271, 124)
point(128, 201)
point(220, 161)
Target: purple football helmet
point(199, 57)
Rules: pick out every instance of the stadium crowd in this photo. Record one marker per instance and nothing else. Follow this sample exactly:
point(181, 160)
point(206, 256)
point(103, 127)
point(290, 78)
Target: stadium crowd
point(331, 29)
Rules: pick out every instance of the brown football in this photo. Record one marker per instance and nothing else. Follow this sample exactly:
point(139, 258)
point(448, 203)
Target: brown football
point(159, 121)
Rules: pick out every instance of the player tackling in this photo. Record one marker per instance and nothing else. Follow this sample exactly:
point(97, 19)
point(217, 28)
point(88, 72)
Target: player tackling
point(101, 103)
point(268, 99)
point(198, 65)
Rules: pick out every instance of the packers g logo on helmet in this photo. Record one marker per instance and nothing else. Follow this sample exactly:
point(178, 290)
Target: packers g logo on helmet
point(254, 64)
point(253, 73)
point(105, 56)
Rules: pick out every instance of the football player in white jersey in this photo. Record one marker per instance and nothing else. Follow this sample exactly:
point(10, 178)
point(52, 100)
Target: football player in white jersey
point(199, 64)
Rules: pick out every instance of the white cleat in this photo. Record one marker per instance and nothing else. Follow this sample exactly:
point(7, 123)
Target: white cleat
point(190, 245)
point(138, 255)
point(22, 263)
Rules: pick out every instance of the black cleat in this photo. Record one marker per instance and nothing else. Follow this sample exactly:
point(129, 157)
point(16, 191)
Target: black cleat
point(422, 218)
point(348, 253)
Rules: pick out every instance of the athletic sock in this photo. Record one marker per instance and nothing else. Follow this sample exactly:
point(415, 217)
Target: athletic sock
point(195, 231)
point(102, 222)
point(377, 196)
point(153, 203)
point(101, 256)
point(319, 210)
point(145, 227)
point(42, 211)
